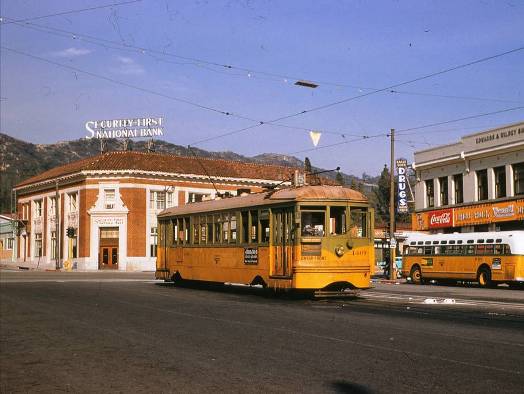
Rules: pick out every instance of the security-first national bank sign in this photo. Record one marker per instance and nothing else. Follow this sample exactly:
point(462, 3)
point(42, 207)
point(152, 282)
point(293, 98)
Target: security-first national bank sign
point(125, 128)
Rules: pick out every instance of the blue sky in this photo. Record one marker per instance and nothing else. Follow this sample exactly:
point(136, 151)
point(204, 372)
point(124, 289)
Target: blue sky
point(347, 47)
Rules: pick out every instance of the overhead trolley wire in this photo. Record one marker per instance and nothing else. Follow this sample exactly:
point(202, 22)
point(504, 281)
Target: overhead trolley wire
point(400, 131)
point(201, 62)
point(70, 12)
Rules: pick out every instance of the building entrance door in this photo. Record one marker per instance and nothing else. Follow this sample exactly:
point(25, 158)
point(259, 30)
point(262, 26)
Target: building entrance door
point(108, 250)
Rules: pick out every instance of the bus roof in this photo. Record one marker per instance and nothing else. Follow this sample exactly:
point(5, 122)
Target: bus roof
point(294, 194)
point(514, 238)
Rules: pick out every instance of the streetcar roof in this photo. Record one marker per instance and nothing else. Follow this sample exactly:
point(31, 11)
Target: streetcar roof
point(294, 194)
point(514, 238)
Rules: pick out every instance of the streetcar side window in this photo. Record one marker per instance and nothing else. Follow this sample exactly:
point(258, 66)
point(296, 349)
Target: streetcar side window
point(233, 228)
point(218, 229)
point(264, 226)
point(253, 238)
point(244, 218)
point(175, 231)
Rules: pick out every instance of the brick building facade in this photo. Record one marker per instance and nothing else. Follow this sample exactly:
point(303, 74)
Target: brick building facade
point(105, 217)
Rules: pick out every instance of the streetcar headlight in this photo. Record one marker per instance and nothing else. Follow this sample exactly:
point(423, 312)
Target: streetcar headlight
point(339, 250)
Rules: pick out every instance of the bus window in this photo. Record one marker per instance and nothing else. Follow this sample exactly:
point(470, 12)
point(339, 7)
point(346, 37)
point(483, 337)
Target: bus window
point(470, 249)
point(203, 230)
point(420, 250)
point(498, 249)
point(490, 249)
point(337, 220)
point(428, 250)
point(244, 218)
point(312, 223)
point(481, 249)
point(359, 222)
point(254, 227)
point(264, 226)
point(437, 250)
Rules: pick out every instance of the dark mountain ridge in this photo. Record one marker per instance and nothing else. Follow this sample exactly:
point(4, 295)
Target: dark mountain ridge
point(20, 160)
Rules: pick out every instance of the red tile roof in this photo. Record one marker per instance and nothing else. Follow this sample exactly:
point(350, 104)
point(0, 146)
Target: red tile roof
point(161, 162)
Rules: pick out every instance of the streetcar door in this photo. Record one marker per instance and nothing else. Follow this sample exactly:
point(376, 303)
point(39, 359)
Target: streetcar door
point(282, 242)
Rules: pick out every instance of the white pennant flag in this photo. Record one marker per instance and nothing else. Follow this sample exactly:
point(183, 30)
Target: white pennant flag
point(315, 137)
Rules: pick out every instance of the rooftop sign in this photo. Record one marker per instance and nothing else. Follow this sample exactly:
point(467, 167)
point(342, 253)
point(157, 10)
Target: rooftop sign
point(125, 128)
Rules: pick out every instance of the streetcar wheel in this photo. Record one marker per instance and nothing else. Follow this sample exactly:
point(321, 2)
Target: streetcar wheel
point(484, 277)
point(416, 275)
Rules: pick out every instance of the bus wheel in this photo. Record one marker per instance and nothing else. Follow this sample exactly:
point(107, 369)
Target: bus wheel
point(484, 277)
point(416, 275)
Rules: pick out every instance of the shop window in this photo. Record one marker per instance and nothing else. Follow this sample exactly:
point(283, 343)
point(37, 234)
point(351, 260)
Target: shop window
point(109, 198)
point(38, 208)
point(153, 241)
point(518, 178)
point(482, 185)
point(500, 181)
point(52, 207)
point(73, 202)
point(430, 193)
point(458, 187)
point(53, 245)
point(38, 245)
point(443, 184)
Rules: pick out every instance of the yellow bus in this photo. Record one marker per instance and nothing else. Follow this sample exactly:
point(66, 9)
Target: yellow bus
point(489, 258)
point(309, 237)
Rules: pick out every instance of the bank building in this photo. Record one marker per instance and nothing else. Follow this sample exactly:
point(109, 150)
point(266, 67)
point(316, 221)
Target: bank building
point(100, 213)
point(475, 184)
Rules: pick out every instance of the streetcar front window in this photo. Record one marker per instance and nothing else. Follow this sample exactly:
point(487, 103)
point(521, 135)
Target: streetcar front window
point(312, 223)
point(359, 222)
point(337, 220)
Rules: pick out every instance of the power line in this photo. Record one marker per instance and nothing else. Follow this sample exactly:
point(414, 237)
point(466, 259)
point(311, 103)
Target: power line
point(126, 84)
point(145, 90)
point(409, 129)
point(201, 63)
point(400, 132)
point(69, 12)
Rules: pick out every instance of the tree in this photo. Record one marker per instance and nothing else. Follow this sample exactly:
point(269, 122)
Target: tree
point(381, 203)
point(382, 196)
point(307, 166)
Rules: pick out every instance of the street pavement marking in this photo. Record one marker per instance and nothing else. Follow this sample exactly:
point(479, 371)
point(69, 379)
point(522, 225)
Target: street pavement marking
point(440, 300)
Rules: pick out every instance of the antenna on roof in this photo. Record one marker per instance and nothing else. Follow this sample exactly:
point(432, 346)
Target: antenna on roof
point(205, 171)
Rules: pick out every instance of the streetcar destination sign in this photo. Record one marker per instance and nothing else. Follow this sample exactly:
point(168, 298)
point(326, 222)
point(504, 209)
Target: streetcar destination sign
point(125, 128)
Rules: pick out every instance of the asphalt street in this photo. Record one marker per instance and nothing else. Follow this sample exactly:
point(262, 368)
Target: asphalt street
point(118, 332)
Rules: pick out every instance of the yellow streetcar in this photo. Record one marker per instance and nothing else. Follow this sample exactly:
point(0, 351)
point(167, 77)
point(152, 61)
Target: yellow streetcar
point(308, 238)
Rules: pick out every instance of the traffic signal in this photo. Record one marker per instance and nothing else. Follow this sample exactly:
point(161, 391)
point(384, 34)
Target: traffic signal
point(71, 232)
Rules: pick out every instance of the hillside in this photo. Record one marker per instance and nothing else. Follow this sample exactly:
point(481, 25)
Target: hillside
point(20, 160)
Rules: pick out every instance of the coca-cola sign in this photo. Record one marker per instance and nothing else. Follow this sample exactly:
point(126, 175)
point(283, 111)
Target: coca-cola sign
point(442, 218)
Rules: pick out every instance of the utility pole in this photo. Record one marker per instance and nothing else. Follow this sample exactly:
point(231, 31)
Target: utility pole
point(392, 241)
